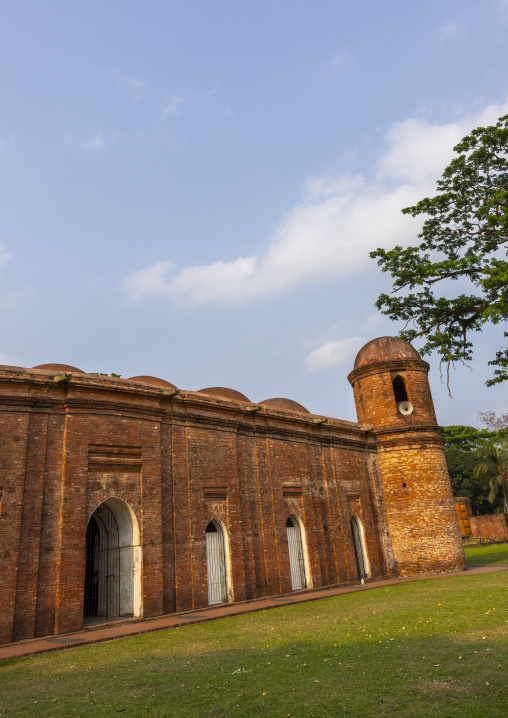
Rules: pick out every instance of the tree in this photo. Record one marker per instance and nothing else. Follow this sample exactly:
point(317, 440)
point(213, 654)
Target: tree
point(461, 444)
point(465, 438)
point(492, 469)
point(464, 238)
point(492, 421)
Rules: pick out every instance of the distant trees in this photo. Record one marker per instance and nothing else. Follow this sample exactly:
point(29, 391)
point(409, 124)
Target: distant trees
point(492, 469)
point(473, 457)
point(492, 421)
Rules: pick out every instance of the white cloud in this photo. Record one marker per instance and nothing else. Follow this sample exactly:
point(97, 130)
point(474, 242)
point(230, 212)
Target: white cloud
point(419, 150)
point(502, 8)
point(451, 28)
point(329, 234)
point(137, 83)
point(171, 107)
point(149, 280)
point(12, 298)
point(333, 353)
point(213, 90)
point(338, 64)
point(7, 144)
point(97, 143)
point(5, 256)
point(8, 360)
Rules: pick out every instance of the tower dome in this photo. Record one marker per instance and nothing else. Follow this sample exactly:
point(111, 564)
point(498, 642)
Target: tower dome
point(389, 372)
point(385, 349)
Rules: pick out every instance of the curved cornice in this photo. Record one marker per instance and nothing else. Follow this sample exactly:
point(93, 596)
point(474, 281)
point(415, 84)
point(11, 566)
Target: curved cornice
point(386, 366)
point(407, 435)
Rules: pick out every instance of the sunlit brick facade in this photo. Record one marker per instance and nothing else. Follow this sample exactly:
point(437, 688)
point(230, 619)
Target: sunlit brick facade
point(293, 501)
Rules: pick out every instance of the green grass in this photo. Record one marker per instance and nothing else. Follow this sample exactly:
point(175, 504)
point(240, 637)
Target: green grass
point(488, 555)
point(426, 648)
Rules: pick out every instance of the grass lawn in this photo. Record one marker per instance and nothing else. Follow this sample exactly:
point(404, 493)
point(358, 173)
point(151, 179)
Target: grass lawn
point(488, 555)
point(427, 648)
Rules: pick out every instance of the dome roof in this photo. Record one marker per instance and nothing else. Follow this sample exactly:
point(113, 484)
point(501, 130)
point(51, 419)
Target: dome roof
point(58, 367)
point(224, 393)
point(285, 405)
point(385, 349)
point(153, 380)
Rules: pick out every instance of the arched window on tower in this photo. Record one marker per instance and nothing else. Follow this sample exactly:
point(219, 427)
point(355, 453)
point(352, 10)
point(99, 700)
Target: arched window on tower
point(399, 390)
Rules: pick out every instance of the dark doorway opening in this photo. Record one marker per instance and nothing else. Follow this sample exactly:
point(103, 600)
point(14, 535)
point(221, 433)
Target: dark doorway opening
point(102, 568)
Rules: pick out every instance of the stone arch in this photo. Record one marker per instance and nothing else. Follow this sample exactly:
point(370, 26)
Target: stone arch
point(360, 547)
point(218, 564)
point(113, 555)
point(298, 553)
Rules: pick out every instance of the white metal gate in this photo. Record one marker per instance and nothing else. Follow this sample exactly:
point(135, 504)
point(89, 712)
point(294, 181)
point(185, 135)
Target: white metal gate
point(296, 560)
point(216, 564)
point(361, 566)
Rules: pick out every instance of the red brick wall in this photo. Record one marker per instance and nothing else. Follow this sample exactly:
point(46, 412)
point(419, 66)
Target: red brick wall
point(489, 525)
point(178, 463)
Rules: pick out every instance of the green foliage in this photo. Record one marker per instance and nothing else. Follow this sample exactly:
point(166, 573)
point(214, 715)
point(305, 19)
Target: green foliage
point(492, 469)
point(465, 438)
point(464, 238)
point(461, 466)
point(461, 446)
point(422, 649)
point(100, 373)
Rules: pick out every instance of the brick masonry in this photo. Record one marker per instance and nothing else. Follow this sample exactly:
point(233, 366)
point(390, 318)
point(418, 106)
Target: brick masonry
point(463, 508)
point(489, 526)
point(177, 462)
point(420, 508)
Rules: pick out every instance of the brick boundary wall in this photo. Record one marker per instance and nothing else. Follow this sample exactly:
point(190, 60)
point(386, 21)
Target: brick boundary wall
point(489, 525)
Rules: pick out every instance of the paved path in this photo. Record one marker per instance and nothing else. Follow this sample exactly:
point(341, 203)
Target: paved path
point(135, 627)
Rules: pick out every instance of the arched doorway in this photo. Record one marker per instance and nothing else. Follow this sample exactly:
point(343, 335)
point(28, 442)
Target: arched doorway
point(113, 562)
point(362, 562)
point(216, 564)
point(296, 554)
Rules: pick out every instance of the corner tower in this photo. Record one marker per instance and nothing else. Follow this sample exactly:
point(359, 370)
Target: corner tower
point(392, 393)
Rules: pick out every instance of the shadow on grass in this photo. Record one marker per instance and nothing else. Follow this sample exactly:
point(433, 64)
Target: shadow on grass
point(423, 649)
point(489, 555)
point(436, 676)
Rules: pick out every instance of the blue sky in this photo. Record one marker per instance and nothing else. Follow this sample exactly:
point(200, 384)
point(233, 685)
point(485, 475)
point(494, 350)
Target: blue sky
point(191, 189)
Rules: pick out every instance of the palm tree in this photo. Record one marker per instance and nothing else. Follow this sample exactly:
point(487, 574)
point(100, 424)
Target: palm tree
point(492, 469)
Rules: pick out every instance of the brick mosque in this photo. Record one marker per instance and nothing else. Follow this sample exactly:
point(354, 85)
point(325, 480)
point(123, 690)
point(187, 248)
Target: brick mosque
point(130, 498)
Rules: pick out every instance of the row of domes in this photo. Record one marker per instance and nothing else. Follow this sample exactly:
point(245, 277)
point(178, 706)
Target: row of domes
point(377, 350)
point(220, 391)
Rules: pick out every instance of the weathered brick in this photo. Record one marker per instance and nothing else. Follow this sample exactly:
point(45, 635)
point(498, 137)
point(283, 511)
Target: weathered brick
point(179, 462)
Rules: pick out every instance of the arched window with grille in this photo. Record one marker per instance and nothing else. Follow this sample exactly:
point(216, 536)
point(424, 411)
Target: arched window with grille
point(296, 547)
point(216, 563)
point(362, 561)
